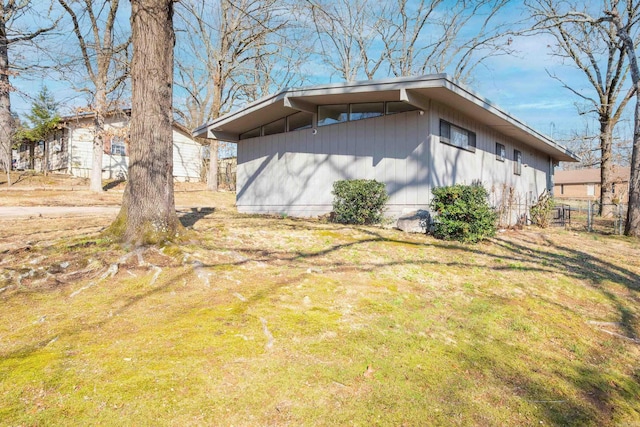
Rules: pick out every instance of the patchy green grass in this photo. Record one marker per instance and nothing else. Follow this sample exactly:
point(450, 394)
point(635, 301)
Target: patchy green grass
point(280, 321)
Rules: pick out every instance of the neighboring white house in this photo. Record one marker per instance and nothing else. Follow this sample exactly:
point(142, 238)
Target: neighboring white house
point(69, 149)
point(412, 133)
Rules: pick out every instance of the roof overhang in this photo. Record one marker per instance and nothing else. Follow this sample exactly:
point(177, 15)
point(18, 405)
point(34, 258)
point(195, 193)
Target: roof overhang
point(417, 91)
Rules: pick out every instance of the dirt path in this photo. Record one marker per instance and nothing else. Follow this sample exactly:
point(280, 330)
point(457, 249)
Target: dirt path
point(55, 211)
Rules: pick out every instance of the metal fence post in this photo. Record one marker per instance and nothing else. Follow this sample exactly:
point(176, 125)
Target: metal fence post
point(589, 216)
point(620, 219)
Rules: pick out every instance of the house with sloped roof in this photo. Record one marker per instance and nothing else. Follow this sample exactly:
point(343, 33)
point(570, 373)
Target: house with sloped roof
point(69, 149)
point(412, 133)
point(584, 184)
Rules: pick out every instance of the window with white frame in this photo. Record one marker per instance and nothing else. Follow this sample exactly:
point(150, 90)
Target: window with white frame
point(118, 147)
point(457, 136)
point(517, 162)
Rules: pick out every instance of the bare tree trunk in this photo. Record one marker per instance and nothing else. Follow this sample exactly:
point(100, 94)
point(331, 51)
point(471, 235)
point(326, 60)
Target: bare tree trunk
point(98, 141)
point(212, 179)
point(6, 120)
point(148, 213)
point(632, 228)
point(606, 167)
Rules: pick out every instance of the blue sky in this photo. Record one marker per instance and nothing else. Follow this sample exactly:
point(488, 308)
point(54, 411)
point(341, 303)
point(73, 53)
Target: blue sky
point(517, 83)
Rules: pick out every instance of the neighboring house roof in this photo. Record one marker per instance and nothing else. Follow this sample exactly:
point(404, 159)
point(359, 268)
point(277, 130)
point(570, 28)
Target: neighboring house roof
point(590, 176)
point(125, 112)
point(417, 91)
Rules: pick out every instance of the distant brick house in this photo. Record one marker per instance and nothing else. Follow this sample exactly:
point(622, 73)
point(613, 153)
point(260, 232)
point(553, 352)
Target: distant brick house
point(584, 184)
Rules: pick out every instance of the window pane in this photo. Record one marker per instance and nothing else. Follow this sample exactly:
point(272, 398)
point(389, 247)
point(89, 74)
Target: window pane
point(117, 146)
point(445, 131)
point(366, 110)
point(399, 107)
point(330, 114)
point(459, 137)
point(253, 133)
point(301, 120)
point(500, 151)
point(274, 127)
point(517, 158)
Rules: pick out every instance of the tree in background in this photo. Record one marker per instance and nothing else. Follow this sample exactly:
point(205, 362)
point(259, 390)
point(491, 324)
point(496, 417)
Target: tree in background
point(16, 28)
point(359, 39)
point(626, 25)
point(148, 214)
point(232, 52)
point(43, 120)
point(102, 63)
point(598, 53)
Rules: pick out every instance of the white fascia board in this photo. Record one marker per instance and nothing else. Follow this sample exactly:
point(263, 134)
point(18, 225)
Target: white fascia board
point(414, 99)
point(222, 136)
point(298, 104)
point(472, 96)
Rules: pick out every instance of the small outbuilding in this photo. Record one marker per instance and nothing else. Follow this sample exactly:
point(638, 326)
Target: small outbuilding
point(412, 133)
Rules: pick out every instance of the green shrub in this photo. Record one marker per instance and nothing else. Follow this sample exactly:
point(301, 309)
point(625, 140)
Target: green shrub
point(359, 201)
point(462, 212)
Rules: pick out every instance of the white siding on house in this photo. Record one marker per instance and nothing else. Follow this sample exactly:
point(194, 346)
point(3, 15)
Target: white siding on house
point(187, 154)
point(187, 157)
point(80, 146)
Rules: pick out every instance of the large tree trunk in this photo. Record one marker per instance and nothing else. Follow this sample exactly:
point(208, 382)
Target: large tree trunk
point(6, 120)
point(632, 228)
point(606, 167)
point(148, 213)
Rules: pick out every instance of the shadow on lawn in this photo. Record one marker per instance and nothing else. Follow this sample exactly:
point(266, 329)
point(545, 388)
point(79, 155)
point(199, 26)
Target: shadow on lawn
point(194, 215)
point(603, 390)
point(553, 401)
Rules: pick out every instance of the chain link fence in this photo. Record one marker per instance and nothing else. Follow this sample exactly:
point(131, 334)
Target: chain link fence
point(586, 215)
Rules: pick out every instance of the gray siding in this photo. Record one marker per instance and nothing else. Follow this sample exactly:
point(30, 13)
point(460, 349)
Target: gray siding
point(293, 173)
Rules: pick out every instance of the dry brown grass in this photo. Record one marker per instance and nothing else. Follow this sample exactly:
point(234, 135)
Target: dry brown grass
point(278, 321)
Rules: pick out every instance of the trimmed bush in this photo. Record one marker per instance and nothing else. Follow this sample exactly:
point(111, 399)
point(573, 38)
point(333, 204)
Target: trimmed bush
point(462, 213)
point(359, 201)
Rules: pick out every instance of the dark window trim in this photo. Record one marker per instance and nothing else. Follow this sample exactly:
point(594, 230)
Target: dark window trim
point(445, 136)
point(517, 162)
point(501, 152)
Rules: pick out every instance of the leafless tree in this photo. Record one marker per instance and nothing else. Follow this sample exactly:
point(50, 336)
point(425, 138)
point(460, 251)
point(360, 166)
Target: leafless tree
point(363, 38)
point(231, 52)
point(626, 24)
point(148, 213)
point(16, 22)
point(103, 59)
point(346, 31)
point(599, 54)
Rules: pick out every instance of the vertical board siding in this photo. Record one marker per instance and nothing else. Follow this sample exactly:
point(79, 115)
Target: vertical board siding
point(294, 172)
point(296, 175)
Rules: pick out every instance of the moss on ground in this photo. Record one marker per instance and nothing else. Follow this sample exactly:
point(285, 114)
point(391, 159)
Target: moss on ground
point(271, 321)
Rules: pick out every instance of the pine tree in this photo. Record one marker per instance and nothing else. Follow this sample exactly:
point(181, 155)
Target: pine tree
point(43, 118)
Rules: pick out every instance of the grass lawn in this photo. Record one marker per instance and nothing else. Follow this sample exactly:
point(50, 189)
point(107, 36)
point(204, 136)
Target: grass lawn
point(277, 321)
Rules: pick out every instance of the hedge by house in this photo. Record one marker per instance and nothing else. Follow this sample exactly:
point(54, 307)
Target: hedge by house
point(359, 201)
point(462, 212)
